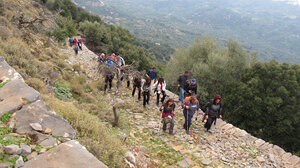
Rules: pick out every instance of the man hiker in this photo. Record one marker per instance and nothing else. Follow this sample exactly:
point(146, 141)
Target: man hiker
point(190, 107)
point(120, 61)
point(75, 47)
point(160, 88)
point(191, 87)
point(182, 82)
point(152, 74)
point(168, 113)
point(213, 111)
point(146, 86)
point(137, 84)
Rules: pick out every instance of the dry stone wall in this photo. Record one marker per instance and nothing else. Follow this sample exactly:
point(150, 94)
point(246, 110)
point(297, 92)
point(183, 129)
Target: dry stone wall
point(32, 117)
point(274, 152)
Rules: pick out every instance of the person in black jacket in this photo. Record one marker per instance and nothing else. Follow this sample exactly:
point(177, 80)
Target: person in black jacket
point(191, 88)
point(182, 82)
point(137, 84)
point(213, 111)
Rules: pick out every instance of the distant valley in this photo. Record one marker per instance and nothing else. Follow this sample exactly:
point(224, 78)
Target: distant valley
point(269, 27)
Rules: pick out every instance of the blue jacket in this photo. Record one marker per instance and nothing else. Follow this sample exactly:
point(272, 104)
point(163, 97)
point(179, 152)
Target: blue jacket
point(152, 75)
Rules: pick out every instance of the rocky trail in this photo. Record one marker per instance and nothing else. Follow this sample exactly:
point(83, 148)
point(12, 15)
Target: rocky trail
point(224, 146)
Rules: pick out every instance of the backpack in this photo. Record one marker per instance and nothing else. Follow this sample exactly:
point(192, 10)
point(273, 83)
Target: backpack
point(188, 99)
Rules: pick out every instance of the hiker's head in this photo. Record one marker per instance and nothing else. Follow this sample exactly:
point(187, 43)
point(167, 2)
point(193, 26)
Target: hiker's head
point(170, 102)
point(193, 99)
point(186, 73)
point(193, 81)
point(217, 98)
point(154, 69)
point(161, 80)
point(148, 80)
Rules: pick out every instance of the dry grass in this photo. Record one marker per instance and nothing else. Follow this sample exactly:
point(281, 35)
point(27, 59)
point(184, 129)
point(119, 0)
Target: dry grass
point(91, 131)
point(37, 84)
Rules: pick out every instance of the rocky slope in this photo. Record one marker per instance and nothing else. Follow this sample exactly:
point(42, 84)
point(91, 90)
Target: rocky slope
point(224, 146)
point(32, 132)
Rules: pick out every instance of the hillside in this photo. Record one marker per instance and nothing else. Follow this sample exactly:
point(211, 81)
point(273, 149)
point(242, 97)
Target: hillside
point(51, 100)
point(269, 27)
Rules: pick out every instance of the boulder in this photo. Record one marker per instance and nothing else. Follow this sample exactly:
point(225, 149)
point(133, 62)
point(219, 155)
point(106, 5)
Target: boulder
point(15, 94)
point(67, 155)
point(36, 126)
point(7, 72)
point(130, 158)
point(49, 142)
point(39, 112)
point(294, 160)
point(19, 162)
point(26, 150)
point(12, 149)
point(260, 159)
point(259, 142)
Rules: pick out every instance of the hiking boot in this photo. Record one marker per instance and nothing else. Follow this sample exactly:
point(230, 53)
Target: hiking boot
point(171, 133)
point(187, 132)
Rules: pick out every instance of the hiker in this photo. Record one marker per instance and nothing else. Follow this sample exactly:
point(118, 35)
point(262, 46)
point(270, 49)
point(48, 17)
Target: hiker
point(137, 84)
point(191, 87)
point(70, 41)
point(75, 41)
point(182, 82)
point(160, 88)
point(146, 86)
point(102, 58)
point(75, 47)
point(168, 113)
point(125, 75)
point(213, 111)
point(190, 107)
point(110, 63)
point(120, 61)
point(152, 74)
point(109, 76)
point(80, 41)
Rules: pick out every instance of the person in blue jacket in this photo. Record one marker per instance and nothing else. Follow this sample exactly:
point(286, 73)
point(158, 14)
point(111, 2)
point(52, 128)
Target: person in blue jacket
point(152, 74)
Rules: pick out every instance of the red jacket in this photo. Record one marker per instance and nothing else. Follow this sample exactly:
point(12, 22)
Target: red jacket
point(168, 111)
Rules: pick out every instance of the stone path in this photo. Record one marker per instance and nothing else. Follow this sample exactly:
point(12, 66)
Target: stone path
point(224, 146)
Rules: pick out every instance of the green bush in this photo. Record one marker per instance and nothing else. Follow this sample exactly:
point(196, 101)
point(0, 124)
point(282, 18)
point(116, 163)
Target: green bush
point(5, 117)
point(62, 93)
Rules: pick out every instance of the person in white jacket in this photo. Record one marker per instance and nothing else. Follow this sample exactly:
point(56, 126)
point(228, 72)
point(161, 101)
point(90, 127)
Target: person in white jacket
point(160, 88)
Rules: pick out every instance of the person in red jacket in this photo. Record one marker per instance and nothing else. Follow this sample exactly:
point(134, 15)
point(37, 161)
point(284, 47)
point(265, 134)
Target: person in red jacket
point(168, 115)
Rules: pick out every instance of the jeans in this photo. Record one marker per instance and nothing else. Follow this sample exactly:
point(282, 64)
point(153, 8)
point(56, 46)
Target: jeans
point(146, 98)
point(162, 99)
point(171, 126)
point(188, 120)
point(181, 94)
point(139, 91)
point(209, 122)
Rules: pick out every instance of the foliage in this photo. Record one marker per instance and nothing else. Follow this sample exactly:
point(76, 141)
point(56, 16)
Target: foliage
point(268, 27)
point(266, 103)
point(214, 68)
point(66, 28)
point(62, 93)
point(5, 117)
point(4, 83)
point(91, 132)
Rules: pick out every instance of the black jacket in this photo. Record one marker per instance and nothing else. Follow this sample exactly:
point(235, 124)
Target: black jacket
point(137, 82)
point(213, 109)
point(193, 88)
point(182, 81)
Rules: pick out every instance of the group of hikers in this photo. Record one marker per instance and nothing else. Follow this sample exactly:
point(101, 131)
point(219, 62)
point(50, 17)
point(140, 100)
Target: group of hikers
point(149, 84)
point(76, 44)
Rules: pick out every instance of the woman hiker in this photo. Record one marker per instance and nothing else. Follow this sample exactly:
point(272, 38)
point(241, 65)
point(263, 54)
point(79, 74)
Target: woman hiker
point(168, 112)
point(213, 111)
point(190, 107)
point(160, 88)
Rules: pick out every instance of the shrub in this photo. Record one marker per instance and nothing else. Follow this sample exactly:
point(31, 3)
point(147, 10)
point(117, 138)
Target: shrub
point(62, 93)
point(37, 84)
point(5, 117)
point(91, 132)
point(76, 67)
